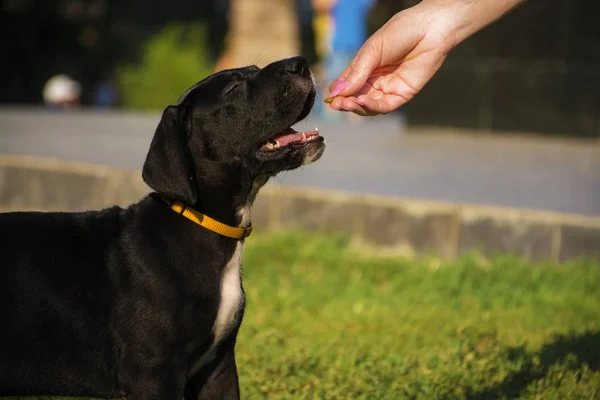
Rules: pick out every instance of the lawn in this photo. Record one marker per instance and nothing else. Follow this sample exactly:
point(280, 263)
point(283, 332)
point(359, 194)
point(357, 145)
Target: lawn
point(324, 321)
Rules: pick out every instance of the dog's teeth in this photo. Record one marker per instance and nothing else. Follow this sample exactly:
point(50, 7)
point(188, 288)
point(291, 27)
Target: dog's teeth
point(303, 137)
point(277, 144)
point(317, 129)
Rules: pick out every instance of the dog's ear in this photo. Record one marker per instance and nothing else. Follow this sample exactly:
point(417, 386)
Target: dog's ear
point(169, 168)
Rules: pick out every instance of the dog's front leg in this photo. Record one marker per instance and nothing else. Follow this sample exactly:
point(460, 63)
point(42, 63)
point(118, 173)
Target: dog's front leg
point(157, 385)
point(219, 380)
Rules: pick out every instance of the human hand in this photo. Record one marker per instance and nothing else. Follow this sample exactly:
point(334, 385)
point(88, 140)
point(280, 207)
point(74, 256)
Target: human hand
point(396, 62)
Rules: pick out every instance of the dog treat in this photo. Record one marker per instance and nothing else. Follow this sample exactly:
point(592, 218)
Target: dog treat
point(329, 100)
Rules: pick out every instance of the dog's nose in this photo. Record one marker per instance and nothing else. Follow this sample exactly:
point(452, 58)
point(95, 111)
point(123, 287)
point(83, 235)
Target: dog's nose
point(297, 66)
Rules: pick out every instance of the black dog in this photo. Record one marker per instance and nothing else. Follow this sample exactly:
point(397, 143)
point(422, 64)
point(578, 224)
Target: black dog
point(143, 303)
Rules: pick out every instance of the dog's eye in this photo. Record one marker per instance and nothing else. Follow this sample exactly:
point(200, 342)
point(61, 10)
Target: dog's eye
point(230, 89)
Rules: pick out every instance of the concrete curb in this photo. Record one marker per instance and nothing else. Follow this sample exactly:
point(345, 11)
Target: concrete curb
point(407, 226)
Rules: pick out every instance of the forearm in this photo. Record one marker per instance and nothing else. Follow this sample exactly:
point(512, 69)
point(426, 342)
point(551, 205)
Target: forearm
point(470, 16)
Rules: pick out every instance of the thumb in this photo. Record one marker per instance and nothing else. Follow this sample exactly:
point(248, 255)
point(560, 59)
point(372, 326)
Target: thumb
point(356, 74)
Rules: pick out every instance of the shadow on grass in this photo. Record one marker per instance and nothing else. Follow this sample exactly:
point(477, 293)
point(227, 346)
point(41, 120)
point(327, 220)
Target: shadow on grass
point(574, 350)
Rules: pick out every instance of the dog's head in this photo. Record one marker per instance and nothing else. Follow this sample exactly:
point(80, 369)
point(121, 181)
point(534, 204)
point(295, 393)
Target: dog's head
point(233, 129)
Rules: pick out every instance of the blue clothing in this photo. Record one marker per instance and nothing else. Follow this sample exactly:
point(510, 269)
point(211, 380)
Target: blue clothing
point(106, 95)
point(350, 24)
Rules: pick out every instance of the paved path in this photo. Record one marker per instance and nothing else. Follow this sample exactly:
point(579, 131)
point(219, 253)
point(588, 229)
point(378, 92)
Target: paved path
point(370, 157)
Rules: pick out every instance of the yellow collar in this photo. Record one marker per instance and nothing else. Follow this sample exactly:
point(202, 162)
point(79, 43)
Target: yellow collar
point(209, 223)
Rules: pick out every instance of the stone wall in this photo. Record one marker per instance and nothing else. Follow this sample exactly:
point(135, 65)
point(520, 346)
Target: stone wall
point(406, 226)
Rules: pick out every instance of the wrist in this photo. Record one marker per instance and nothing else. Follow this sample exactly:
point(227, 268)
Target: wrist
point(460, 19)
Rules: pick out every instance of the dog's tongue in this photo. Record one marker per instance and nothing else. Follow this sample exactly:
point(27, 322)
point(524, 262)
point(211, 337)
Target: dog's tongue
point(290, 135)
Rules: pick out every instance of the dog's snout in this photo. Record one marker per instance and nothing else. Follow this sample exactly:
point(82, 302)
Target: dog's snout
point(297, 66)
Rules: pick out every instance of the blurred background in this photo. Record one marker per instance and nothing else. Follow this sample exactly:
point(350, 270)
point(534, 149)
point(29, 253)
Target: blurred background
point(511, 119)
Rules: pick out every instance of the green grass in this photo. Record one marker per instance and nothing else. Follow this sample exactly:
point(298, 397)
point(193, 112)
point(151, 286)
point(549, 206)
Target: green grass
point(323, 322)
point(326, 322)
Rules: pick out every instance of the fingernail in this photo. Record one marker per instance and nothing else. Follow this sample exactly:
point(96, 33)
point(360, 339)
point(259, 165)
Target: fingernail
point(359, 102)
point(339, 86)
point(338, 81)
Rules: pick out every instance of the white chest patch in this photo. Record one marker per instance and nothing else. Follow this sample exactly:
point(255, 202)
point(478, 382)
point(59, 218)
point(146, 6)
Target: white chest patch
point(231, 295)
point(229, 305)
point(231, 285)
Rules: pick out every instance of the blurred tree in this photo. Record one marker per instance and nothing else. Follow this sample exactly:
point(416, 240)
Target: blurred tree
point(153, 83)
point(261, 32)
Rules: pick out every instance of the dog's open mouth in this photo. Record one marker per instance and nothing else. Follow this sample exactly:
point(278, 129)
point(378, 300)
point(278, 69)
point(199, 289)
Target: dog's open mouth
point(290, 137)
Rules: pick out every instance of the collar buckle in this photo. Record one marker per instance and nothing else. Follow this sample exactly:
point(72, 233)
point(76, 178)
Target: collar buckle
point(247, 231)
